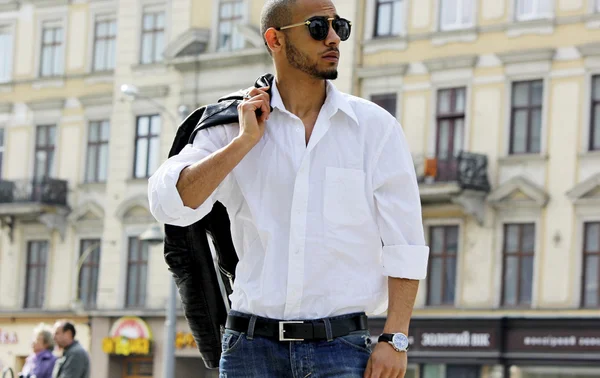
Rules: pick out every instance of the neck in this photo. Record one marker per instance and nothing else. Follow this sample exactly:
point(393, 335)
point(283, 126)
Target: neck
point(301, 95)
point(69, 344)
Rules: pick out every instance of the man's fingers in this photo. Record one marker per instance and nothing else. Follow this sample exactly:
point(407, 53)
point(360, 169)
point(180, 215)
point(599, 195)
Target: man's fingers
point(368, 370)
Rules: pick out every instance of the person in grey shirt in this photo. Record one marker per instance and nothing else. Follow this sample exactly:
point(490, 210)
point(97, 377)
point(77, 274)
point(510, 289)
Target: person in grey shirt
point(75, 362)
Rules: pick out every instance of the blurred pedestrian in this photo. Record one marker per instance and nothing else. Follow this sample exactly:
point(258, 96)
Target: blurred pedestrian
point(75, 361)
point(40, 363)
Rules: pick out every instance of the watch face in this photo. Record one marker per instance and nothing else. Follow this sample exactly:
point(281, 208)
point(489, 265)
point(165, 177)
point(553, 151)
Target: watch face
point(400, 341)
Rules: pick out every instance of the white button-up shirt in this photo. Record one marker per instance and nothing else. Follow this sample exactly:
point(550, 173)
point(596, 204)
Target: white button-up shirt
point(317, 227)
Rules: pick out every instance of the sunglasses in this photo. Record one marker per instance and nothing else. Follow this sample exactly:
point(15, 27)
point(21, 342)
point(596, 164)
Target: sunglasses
point(318, 27)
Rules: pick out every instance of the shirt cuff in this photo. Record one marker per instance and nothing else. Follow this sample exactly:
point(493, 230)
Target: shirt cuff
point(405, 261)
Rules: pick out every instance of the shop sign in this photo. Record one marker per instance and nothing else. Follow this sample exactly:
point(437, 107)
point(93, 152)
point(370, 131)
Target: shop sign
point(548, 340)
point(8, 337)
point(454, 339)
point(130, 335)
point(184, 340)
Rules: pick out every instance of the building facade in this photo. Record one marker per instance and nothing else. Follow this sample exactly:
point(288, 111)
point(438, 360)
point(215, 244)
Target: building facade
point(499, 102)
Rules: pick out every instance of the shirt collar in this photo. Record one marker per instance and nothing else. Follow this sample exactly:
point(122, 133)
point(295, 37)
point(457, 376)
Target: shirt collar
point(334, 102)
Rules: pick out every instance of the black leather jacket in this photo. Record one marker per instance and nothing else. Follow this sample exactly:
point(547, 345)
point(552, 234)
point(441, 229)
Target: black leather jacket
point(186, 249)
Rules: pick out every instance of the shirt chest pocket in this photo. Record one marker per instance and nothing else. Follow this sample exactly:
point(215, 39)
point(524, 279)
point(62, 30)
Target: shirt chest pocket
point(345, 202)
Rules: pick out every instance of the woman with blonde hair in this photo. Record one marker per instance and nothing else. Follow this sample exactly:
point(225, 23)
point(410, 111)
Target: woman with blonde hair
point(40, 363)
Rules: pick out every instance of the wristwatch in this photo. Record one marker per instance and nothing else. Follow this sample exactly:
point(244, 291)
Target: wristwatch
point(398, 341)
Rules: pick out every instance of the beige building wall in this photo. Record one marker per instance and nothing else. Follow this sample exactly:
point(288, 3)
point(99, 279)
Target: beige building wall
point(485, 58)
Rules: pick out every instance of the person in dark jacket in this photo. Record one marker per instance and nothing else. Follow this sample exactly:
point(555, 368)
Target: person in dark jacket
point(75, 361)
point(40, 363)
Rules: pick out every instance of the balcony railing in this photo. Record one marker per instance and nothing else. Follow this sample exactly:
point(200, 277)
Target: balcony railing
point(47, 191)
point(468, 169)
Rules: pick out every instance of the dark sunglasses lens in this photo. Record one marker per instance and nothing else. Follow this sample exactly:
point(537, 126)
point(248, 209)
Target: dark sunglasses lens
point(318, 29)
point(342, 29)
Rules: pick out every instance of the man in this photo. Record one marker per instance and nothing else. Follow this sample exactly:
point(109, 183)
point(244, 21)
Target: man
point(40, 363)
point(324, 209)
point(75, 362)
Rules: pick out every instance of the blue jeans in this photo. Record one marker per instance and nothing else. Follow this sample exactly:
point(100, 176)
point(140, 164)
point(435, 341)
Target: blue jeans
point(248, 356)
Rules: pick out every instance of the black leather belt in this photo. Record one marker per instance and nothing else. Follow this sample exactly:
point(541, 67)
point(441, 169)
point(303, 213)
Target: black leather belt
point(298, 330)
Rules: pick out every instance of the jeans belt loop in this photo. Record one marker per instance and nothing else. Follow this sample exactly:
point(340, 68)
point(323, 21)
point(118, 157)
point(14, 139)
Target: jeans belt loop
point(328, 330)
point(251, 326)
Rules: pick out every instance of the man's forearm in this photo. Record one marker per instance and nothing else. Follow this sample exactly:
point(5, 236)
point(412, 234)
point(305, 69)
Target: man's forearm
point(402, 294)
point(198, 181)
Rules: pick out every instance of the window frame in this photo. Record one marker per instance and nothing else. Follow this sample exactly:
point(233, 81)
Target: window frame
point(141, 296)
point(153, 31)
point(592, 129)
point(585, 254)
point(47, 148)
point(240, 19)
point(439, 14)
point(451, 162)
point(379, 3)
point(537, 15)
point(520, 255)
point(52, 24)
point(149, 138)
point(529, 108)
point(103, 18)
point(444, 257)
point(10, 28)
point(97, 145)
point(41, 270)
point(91, 262)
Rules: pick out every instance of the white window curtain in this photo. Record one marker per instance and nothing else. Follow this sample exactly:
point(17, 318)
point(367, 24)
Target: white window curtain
point(456, 14)
point(6, 54)
point(533, 9)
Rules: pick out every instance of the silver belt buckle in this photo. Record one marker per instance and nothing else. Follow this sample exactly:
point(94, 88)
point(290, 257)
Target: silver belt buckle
point(282, 330)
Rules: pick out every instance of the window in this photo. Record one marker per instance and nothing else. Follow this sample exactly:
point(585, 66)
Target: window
point(456, 14)
point(1, 150)
point(389, 15)
point(153, 37)
point(137, 273)
point(44, 151)
point(105, 36)
point(591, 265)
point(87, 288)
point(386, 101)
point(147, 148)
point(441, 279)
point(450, 122)
point(97, 151)
point(52, 60)
point(526, 117)
point(37, 258)
point(6, 54)
point(595, 118)
point(533, 9)
point(518, 250)
point(230, 14)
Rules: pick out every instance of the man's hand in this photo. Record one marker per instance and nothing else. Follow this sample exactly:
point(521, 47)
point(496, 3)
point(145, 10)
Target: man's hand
point(252, 127)
point(385, 362)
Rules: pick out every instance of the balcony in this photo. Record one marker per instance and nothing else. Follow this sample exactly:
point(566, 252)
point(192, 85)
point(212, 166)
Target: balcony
point(44, 200)
point(461, 180)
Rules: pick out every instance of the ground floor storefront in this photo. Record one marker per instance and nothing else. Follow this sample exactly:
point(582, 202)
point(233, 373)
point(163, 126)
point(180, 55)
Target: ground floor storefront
point(17, 334)
point(502, 347)
point(132, 347)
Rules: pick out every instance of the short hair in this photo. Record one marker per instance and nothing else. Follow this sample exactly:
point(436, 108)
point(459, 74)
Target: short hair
point(44, 331)
point(275, 13)
point(68, 326)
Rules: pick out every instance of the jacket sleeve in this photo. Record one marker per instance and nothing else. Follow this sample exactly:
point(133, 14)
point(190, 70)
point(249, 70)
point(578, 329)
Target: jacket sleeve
point(164, 199)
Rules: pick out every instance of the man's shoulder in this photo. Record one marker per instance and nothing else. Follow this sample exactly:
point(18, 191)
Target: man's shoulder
point(78, 350)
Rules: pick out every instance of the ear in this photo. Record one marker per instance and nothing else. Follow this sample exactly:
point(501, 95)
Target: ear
point(273, 38)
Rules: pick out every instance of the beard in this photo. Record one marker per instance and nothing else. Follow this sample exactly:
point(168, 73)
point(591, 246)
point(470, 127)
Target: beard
point(302, 62)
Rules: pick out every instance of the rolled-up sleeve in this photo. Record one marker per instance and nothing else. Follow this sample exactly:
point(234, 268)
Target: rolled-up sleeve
point(164, 199)
point(398, 209)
